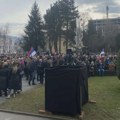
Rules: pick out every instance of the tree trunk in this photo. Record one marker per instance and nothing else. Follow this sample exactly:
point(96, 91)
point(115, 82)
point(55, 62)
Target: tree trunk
point(67, 37)
point(59, 44)
point(55, 46)
point(66, 43)
point(50, 46)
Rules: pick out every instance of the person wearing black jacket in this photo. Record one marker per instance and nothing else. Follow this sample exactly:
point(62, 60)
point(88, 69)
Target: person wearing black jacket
point(15, 79)
point(44, 64)
point(4, 78)
point(32, 68)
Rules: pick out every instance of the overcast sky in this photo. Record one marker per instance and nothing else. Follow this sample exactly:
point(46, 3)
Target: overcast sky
point(16, 11)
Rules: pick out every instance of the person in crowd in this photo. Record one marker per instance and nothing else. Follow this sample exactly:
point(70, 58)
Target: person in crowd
point(101, 68)
point(92, 68)
point(40, 70)
point(26, 67)
point(15, 79)
point(1, 64)
point(20, 74)
point(31, 69)
point(45, 64)
point(69, 58)
point(6, 73)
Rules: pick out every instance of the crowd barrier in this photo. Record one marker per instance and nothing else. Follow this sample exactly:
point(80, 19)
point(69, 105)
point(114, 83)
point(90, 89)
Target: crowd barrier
point(66, 89)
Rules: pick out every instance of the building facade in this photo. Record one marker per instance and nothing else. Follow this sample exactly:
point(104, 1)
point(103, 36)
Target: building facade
point(108, 24)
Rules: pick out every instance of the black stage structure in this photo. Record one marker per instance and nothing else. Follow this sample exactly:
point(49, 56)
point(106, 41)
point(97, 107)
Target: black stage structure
point(66, 89)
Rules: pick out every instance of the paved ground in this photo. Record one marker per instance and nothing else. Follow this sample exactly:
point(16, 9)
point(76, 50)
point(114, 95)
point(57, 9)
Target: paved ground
point(25, 87)
point(14, 116)
point(10, 116)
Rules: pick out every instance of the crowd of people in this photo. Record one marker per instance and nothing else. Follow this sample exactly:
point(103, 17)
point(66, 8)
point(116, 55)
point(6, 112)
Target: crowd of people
point(13, 69)
point(97, 65)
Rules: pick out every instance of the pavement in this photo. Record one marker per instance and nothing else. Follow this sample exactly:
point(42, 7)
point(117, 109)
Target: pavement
point(11, 116)
point(25, 87)
point(14, 116)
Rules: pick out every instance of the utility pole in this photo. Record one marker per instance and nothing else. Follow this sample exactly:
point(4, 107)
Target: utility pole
point(107, 12)
point(107, 25)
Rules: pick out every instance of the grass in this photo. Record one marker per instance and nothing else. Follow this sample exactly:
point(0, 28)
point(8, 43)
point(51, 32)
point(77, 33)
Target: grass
point(30, 101)
point(104, 90)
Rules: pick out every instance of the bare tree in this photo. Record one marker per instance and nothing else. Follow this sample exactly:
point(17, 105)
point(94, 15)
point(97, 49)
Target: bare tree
point(84, 18)
point(82, 23)
point(5, 32)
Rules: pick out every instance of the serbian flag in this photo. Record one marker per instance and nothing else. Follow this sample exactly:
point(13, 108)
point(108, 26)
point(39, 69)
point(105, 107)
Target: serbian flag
point(31, 52)
point(102, 54)
point(28, 53)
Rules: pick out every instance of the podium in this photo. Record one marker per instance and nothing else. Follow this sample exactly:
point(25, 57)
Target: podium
point(66, 90)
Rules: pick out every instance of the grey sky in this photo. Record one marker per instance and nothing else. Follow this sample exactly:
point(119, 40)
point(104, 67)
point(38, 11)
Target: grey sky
point(16, 11)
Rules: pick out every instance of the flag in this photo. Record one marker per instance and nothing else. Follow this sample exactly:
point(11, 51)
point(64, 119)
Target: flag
point(31, 52)
point(102, 54)
point(28, 53)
